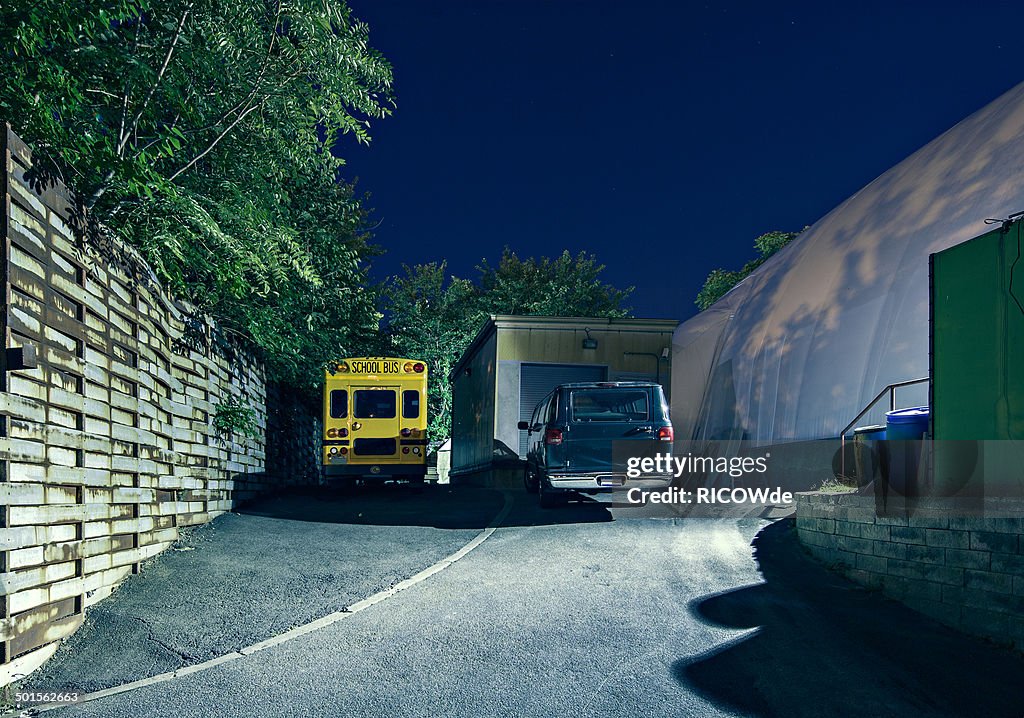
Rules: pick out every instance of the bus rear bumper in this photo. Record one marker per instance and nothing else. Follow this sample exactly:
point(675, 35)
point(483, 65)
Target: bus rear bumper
point(379, 472)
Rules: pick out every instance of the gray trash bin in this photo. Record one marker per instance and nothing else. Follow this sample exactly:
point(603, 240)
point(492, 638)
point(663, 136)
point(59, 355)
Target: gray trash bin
point(867, 449)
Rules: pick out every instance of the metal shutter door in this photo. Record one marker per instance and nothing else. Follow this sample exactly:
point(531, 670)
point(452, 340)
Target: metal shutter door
point(536, 380)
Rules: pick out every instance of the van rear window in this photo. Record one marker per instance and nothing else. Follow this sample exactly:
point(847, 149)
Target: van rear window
point(610, 405)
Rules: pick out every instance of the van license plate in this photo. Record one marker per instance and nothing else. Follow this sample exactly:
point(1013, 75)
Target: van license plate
point(610, 481)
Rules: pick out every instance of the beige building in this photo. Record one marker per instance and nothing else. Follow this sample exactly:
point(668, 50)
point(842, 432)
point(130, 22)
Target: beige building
point(514, 361)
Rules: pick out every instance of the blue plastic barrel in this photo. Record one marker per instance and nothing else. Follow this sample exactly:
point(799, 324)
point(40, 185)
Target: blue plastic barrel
point(910, 424)
point(905, 429)
point(870, 433)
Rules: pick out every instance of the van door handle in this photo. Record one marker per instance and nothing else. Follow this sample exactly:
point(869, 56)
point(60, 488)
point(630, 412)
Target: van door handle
point(642, 430)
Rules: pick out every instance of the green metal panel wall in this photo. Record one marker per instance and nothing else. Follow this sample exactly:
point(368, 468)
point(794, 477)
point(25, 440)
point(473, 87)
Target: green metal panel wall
point(978, 360)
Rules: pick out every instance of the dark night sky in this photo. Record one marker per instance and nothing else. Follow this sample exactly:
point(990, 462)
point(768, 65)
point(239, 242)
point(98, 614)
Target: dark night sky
point(662, 136)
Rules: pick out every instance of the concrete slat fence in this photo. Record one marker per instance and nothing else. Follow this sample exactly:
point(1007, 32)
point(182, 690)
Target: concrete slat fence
point(107, 447)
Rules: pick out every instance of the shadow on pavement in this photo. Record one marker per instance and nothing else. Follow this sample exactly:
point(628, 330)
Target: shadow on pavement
point(821, 646)
point(440, 506)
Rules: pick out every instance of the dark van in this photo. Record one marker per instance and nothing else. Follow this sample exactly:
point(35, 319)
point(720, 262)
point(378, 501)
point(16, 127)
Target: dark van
point(582, 435)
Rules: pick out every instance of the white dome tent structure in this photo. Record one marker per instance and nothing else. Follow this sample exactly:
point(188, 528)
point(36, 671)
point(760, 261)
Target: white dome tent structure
point(802, 345)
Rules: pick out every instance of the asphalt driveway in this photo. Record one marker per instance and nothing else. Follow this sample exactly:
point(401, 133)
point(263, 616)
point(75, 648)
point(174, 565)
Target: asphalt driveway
point(592, 610)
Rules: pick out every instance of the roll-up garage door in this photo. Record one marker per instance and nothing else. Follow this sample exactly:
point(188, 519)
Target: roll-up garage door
point(536, 380)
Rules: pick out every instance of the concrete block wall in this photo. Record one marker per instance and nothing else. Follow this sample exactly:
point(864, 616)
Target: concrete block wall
point(964, 569)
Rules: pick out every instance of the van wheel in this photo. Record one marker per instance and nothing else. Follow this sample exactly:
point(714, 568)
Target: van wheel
point(530, 480)
point(549, 499)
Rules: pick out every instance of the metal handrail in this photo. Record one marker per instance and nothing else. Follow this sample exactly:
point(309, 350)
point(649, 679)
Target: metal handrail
point(891, 390)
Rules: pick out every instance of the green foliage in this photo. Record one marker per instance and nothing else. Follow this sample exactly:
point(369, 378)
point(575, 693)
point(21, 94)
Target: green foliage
point(202, 132)
point(434, 316)
point(716, 285)
point(771, 242)
point(232, 417)
point(564, 286)
point(720, 281)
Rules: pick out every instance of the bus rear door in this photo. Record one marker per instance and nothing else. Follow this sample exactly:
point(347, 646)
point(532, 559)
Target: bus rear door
point(374, 424)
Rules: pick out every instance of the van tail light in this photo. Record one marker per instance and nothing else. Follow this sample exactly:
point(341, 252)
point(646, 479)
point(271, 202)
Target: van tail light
point(553, 436)
point(665, 433)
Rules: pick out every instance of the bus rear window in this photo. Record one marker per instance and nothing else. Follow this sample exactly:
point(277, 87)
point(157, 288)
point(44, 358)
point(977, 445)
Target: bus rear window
point(410, 404)
point(374, 404)
point(339, 403)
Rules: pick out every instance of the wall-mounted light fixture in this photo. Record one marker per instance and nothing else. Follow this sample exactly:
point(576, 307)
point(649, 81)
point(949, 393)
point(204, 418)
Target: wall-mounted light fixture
point(589, 343)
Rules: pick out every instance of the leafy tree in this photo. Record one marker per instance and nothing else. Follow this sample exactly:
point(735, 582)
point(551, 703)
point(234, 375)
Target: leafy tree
point(434, 316)
point(563, 286)
point(202, 132)
point(720, 281)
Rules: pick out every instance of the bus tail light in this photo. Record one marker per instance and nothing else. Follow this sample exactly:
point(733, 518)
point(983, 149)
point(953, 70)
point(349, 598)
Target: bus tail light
point(343, 450)
point(665, 433)
point(418, 367)
point(407, 367)
point(553, 437)
point(343, 432)
point(405, 449)
point(407, 432)
point(342, 367)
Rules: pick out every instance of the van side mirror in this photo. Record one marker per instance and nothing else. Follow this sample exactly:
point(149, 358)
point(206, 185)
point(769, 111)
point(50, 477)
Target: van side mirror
point(523, 425)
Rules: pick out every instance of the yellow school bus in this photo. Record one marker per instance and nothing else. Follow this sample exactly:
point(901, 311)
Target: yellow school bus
point(375, 420)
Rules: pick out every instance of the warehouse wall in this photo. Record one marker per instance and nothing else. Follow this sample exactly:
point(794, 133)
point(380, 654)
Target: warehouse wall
point(107, 446)
point(473, 396)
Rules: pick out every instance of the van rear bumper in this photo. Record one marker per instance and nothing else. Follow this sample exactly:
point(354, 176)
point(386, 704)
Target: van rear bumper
point(599, 481)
